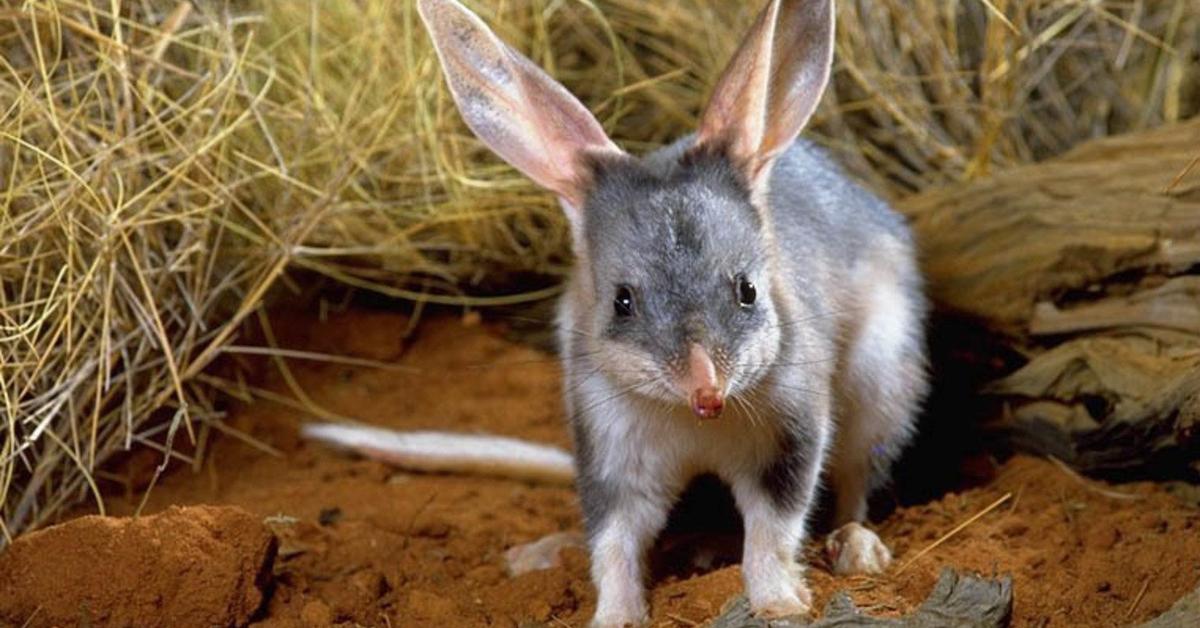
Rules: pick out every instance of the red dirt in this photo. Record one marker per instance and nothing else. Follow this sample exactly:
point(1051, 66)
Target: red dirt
point(360, 542)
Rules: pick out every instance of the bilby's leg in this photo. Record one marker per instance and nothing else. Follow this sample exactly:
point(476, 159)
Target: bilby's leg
point(879, 389)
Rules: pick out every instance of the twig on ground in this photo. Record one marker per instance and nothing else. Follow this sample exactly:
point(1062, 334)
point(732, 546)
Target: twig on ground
point(958, 528)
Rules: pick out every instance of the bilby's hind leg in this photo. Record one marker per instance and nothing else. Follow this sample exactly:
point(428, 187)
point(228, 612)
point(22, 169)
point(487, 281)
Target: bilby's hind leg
point(880, 387)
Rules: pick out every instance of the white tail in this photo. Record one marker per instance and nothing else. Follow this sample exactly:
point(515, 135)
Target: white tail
point(448, 452)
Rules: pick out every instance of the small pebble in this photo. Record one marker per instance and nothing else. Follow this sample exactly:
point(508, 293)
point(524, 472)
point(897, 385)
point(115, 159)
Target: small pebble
point(329, 516)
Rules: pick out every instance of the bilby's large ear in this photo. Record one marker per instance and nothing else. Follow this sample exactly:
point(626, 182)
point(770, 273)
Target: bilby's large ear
point(521, 113)
point(772, 86)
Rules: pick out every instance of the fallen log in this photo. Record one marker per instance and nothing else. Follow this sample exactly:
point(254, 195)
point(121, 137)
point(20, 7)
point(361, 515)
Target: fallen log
point(1083, 275)
point(1184, 614)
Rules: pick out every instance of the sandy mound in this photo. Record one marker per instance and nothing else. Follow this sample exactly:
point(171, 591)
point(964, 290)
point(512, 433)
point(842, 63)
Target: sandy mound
point(196, 566)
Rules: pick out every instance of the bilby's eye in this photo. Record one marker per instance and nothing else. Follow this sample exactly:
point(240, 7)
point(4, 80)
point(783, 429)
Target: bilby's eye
point(746, 293)
point(623, 304)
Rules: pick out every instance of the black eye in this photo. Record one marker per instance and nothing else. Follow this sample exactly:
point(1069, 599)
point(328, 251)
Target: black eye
point(623, 304)
point(746, 294)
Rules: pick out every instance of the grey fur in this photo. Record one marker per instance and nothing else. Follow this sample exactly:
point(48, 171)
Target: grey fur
point(678, 227)
point(678, 234)
point(829, 358)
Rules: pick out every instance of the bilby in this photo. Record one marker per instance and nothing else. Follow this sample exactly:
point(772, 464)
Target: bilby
point(738, 306)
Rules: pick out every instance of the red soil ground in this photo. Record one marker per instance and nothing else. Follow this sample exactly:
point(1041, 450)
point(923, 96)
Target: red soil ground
point(361, 543)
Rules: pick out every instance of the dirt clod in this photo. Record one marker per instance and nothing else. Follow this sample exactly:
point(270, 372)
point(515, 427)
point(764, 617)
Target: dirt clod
point(193, 566)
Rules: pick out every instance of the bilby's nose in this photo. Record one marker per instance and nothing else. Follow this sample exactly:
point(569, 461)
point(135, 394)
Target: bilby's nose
point(707, 400)
point(707, 403)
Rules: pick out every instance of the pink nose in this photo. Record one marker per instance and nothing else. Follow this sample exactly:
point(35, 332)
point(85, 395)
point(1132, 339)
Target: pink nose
point(707, 403)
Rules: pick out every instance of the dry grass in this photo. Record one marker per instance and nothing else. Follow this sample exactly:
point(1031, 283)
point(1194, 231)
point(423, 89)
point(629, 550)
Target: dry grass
point(954, 531)
point(129, 249)
point(161, 171)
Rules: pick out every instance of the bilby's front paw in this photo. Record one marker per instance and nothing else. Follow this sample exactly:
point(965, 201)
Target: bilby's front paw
point(793, 605)
point(853, 549)
point(621, 606)
point(786, 596)
point(634, 618)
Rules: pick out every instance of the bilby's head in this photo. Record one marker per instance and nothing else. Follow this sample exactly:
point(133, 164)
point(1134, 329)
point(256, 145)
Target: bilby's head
point(674, 259)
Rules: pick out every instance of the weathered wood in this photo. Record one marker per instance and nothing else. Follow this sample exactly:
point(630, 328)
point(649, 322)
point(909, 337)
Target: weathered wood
point(1086, 267)
point(1184, 614)
point(956, 600)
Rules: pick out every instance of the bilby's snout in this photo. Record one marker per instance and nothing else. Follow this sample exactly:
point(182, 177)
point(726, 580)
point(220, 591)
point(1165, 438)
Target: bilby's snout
point(704, 387)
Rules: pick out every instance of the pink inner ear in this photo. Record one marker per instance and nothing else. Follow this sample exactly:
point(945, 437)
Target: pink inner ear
point(736, 111)
point(522, 114)
point(802, 61)
point(772, 85)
